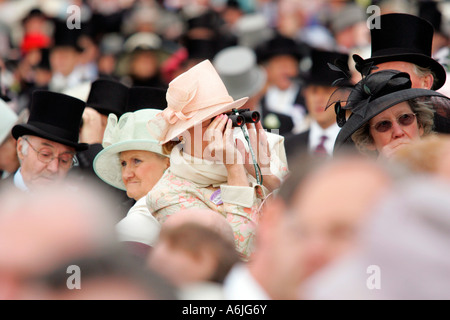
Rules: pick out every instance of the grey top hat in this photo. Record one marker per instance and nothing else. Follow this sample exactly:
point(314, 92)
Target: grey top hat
point(240, 73)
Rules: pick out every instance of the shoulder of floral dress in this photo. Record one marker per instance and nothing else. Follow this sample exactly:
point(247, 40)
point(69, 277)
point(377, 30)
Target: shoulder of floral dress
point(171, 187)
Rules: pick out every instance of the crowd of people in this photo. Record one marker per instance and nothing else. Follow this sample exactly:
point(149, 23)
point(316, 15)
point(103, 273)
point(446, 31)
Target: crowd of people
point(224, 149)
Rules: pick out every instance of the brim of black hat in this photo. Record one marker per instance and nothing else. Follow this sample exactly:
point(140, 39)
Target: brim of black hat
point(324, 82)
point(27, 129)
point(275, 52)
point(377, 106)
point(104, 111)
point(419, 59)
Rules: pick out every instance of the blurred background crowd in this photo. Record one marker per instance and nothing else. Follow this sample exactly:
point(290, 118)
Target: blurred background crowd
point(352, 212)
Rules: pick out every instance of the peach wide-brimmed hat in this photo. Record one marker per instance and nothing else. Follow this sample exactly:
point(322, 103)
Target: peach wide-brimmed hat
point(193, 97)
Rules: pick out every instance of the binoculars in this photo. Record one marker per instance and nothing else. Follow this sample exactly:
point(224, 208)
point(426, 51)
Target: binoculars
point(241, 117)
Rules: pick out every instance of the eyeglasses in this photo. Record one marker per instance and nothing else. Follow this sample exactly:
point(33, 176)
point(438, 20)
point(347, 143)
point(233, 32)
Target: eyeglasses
point(65, 160)
point(404, 120)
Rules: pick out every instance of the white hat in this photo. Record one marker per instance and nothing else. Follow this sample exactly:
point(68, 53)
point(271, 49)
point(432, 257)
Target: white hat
point(128, 133)
point(240, 73)
point(142, 40)
point(8, 119)
point(253, 29)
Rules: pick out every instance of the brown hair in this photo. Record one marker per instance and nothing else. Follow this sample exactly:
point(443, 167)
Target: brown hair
point(168, 146)
point(194, 238)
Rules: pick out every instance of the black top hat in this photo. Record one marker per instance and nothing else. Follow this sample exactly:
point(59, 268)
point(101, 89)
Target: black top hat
point(64, 37)
point(140, 97)
point(374, 94)
point(323, 74)
point(405, 37)
point(278, 45)
point(108, 96)
point(54, 116)
point(202, 48)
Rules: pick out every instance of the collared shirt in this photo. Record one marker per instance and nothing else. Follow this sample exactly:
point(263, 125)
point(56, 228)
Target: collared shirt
point(316, 132)
point(240, 285)
point(18, 181)
point(283, 101)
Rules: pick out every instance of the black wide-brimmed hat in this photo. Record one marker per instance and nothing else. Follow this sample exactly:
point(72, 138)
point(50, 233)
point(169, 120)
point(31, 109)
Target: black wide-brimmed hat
point(404, 37)
point(279, 45)
point(108, 96)
point(54, 116)
point(374, 94)
point(141, 97)
point(328, 68)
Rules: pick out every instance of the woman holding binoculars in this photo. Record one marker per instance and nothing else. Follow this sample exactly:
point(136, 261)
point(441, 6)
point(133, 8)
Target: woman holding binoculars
point(212, 153)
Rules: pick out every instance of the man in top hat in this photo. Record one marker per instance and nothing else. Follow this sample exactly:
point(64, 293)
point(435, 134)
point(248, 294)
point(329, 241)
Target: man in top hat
point(282, 105)
point(65, 60)
point(404, 42)
point(319, 84)
point(47, 143)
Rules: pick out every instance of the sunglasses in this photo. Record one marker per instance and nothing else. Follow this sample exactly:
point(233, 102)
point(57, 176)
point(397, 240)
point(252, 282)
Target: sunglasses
point(404, 120)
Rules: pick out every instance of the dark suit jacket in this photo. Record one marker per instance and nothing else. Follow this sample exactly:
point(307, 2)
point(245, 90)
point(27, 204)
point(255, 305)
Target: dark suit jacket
point(286, 123)
point(296, 144)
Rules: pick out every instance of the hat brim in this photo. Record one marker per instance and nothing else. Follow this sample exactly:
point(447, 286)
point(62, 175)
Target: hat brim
point(421, 60)
point(107, 165)
point(258, 79)
point(181, 126)
point(377, 106)
point(27, 129)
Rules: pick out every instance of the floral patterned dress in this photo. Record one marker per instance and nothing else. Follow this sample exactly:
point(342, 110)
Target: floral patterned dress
point(179, 189)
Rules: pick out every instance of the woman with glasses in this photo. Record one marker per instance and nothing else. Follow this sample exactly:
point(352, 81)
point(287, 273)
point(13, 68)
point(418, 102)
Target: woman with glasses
point(382, 113)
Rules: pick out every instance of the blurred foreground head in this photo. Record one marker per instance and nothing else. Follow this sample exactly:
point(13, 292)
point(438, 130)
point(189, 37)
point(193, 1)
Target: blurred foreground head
point(402, 250)
point(195, 246)
point(314, 219)
point(46, 229)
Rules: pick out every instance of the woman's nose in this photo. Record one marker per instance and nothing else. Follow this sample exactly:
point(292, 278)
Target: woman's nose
point(397, 130)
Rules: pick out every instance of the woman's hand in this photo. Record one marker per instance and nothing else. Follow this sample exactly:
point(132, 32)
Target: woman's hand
point(222, 148)
point(261, 150)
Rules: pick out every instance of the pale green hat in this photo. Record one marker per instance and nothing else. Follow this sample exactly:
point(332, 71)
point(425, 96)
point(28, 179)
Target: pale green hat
point(128, 133)
point(8, 119)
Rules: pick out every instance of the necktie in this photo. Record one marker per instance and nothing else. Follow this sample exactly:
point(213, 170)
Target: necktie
point(320, 149)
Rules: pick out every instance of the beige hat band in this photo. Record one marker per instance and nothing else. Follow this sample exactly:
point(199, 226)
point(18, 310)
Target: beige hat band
point(172, 116)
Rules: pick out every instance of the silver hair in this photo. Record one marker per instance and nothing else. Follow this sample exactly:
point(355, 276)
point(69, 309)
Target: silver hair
point(24, 149)
point(423, 72)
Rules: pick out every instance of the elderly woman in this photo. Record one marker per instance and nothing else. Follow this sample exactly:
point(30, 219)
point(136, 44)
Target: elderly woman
point(209, 167)
point(386, 113)
point(132, 160)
